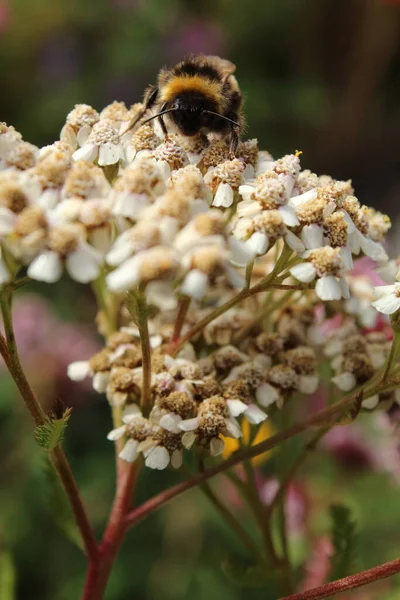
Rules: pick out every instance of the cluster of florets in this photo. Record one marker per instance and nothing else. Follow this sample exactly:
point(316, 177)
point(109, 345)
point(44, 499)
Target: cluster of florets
point(178, 214)
point(184, 221)
point(196, 399)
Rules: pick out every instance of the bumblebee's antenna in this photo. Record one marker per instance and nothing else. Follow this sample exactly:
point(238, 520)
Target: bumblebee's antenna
point(163, 112)
point(210, 112)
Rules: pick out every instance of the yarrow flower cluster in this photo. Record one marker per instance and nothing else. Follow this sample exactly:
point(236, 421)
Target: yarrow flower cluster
point(178, 226)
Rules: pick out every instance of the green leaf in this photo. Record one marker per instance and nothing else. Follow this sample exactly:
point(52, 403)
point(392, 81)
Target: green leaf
point(49, 435)
point(7, 576)
point(344, 540)
point(59, 506)
point(245, 574)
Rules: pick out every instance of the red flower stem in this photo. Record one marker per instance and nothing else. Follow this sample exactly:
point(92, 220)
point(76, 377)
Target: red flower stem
point(184, 304)
point(349, 583)
point(99, 570)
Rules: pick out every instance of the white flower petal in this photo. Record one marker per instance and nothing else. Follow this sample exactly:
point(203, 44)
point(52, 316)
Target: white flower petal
point(241, 255)
point(373, 249)
point(79, 370)
point(235, 279)
point(116, 434)
point(216, 446)
point(236, 407)
point(84, 264)
point(158, 458)
point(345, 381)
point(170, 422)
point(195, 284)
point(100, 381)
point(304, 272)
point(258, 243)
point(83, 134)
point(121, 249)
point(188, 439)
point(125, 277)
point(87, 152)
point(130, 451)
point(387, 304)
point(223, 196)
point(312, 236)
point(308, 384)
point(328, 288)
point(189, 424)
point(294, 242)
point(344, 286)
point(109, 154)
point(46, 267)
point(232, 427)
point(347, 258)
point(303, 198)
point(266, 394)
point(371, 402)
point(7, 220)
point(255, 415)
point(385, 290)
point(289, 216)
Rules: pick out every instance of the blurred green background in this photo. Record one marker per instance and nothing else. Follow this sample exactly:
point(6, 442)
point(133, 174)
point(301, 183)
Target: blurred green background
point(321, 76)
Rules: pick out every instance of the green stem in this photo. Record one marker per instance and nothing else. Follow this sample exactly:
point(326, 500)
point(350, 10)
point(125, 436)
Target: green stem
point(394, 351)
point(233, 523)
point(261, 286)
point(105, 303)
point(260, 513)
point(137, 306)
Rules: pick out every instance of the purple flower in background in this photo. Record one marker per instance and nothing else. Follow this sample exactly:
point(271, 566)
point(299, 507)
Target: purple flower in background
point(59, 59)
point(296, 503)
point(197, 37)
point(47, 344)
point(5, 16)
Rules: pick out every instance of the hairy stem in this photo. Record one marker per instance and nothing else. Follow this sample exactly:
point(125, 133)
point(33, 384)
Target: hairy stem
point(58, 458)
point(349, 583)
point(99, 570)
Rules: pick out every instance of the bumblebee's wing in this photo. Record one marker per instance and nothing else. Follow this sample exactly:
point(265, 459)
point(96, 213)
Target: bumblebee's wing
point(225, 67)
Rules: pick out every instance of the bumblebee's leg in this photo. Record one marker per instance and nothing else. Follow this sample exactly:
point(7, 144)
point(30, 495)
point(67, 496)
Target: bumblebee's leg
point(149, 99)
point(162, 123)
point(234, 141)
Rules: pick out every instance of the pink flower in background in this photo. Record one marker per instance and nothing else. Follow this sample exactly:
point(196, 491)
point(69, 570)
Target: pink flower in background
point(47, 344)
point(318, 565)
point(296, 503)
point(5, 16)
point(347, 446)
point(197, 37)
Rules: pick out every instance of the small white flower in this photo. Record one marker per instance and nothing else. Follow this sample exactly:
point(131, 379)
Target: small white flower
point(388, 298)
point(102, 144)
point(223, 196)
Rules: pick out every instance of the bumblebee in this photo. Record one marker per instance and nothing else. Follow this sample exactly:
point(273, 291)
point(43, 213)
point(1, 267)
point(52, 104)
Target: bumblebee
point(199, 95)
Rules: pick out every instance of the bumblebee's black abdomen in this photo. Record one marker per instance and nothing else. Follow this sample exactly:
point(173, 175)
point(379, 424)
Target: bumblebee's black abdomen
point(189, 69)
